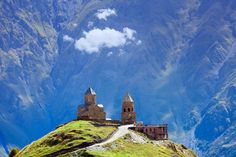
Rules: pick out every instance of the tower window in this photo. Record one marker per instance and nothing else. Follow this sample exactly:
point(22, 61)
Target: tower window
point(124, 110)
point(132, 109)
point(128, 109)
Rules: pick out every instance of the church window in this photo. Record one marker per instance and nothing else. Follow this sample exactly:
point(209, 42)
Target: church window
point(128, 109)
point(124, 110)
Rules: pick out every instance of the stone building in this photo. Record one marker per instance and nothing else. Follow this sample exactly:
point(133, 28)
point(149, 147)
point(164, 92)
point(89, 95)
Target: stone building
point(155, 132)
point(90, 110)
point(128, 115)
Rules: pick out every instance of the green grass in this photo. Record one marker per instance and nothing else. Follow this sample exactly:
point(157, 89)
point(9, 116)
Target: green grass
point(76, 133)
point(125, 148)
point(69, 135)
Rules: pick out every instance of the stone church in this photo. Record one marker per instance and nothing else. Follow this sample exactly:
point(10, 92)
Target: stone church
point(90, 110)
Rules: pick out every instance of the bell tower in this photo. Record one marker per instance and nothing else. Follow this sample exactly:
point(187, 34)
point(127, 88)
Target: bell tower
point(90, 97)
point(128, 114)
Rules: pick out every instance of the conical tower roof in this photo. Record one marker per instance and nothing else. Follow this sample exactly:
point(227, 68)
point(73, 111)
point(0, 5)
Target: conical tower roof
point(128, 98)
point(90, 91)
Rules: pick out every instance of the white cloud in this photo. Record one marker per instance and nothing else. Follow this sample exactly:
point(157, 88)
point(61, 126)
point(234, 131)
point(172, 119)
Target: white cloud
point(96, 39)
point(129, 33)
point(68, 38)
point(102, 14)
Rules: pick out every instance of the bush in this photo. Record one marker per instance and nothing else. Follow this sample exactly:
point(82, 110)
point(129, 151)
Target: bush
point(13, 152)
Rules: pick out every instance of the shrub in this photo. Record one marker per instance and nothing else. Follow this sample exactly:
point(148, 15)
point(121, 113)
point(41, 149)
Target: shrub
point(13, 152)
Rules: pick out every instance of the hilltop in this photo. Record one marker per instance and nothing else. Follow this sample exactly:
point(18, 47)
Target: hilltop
point(89, 138)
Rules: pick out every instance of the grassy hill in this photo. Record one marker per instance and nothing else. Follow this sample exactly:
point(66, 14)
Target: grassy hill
point(126, 147)
point(73, 135)
point(73, 138)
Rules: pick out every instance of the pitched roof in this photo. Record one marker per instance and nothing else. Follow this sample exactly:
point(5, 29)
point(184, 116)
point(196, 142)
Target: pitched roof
point(90, 91)
point(128, 98)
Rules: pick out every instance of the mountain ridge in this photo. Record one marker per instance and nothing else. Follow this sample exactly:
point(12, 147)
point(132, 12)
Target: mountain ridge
point(185, 62)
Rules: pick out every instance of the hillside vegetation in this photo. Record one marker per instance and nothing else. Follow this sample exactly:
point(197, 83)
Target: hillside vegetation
point(70, 136)
point(73, 139)
point(126, 147)
point(135, 145)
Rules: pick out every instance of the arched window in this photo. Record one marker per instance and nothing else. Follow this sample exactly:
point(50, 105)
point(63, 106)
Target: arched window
point(132, 109)
point(124, 110)
point(128, 109)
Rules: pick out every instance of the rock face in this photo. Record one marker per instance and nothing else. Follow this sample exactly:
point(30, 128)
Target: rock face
point(90, 110)
point(180, 67)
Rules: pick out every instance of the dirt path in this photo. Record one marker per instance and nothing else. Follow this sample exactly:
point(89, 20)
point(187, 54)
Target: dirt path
point(121, 131)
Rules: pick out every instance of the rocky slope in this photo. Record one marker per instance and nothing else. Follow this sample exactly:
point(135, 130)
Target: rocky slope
point(177, 59)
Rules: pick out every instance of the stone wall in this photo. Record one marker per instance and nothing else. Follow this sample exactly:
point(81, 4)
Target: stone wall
point(91, 112)
point(156, 132)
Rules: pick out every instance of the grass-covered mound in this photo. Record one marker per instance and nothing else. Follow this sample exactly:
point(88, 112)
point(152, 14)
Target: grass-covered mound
point(72, 135)
point(127, 147)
